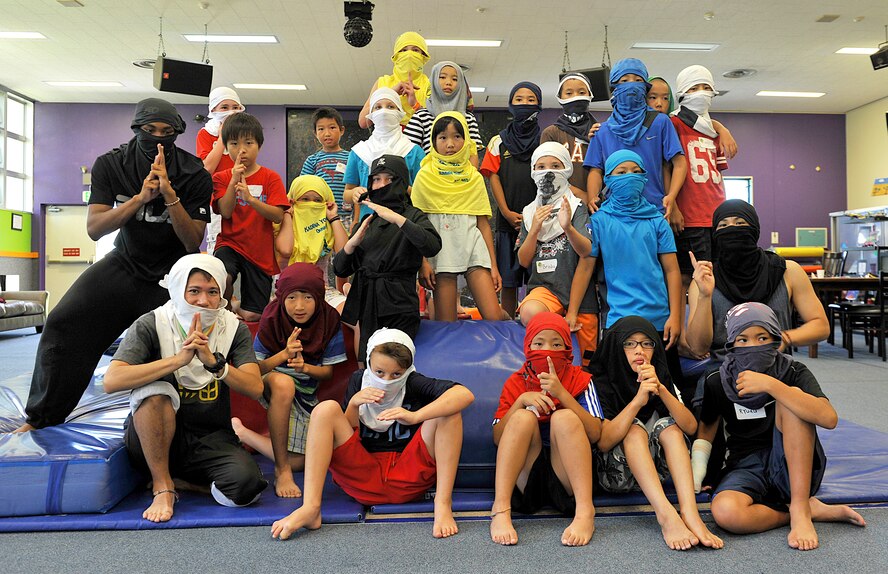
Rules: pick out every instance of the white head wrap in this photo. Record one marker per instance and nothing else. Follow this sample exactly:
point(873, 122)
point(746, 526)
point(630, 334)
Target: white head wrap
point(217, 96)
point(387, 136)
point(394, 389)
point(550, 189)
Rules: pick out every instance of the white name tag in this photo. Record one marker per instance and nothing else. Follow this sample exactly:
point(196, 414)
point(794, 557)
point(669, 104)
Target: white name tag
point(547, 265)
point(744, 414)
point(340, 167)
point(255, 190)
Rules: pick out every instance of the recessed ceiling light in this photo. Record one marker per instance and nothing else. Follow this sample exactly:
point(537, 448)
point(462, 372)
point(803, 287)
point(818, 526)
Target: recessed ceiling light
point(83, 84)
point(465, 43)
point(791, 94)
point(147, 63)
point(22, 36)
point(675, 46)
point(71, 3)
point(299, 87)
point(477, 89)
point(827, 18)
point(739, 73)
point(230, 39)
point(859, 51)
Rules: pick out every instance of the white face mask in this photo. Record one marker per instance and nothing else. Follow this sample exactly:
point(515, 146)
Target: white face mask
point(185, 313)
point(698, 102)
point(386, 119)
point(391, 388)
point(549, 186)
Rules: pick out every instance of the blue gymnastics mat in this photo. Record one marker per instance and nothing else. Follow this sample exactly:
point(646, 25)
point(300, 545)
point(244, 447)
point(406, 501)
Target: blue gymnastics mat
point(194, 510)
point(856, 473)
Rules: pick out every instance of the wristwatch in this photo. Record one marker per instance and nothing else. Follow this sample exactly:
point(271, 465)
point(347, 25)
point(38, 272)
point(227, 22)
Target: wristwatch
point(220, 363)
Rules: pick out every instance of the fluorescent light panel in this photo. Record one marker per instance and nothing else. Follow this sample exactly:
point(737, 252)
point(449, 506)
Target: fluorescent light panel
point(465, 43)
point(84, 84)
point(22, 36)
point(477, 89)
point(230, 39)
point(791, 94)
point(675, 46)
point(858, 51)
point(299, 87)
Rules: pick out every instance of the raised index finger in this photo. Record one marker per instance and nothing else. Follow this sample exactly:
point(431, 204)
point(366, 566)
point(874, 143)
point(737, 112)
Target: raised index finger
point(693, 259)
point(551, 365)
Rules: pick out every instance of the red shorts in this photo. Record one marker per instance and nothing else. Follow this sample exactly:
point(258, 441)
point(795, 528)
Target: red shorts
point(383, 477)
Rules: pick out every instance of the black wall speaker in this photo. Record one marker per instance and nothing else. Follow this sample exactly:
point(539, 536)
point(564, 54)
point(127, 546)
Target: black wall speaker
point(599, 81)
point(880, 58)
point(183, 77)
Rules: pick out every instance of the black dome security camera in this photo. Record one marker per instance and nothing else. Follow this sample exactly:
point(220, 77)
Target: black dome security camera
point(357, 31)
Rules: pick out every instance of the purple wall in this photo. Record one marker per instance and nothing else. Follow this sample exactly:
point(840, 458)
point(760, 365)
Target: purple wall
point(68, 136)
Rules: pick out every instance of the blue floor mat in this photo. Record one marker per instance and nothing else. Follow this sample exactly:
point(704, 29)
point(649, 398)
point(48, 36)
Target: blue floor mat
point(194, 510)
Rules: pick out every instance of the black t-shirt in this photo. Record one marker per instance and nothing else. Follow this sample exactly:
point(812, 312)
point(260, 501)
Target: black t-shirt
point(201, 412)
point(421, 390)
point(147, 245)
point(749, 435)
point(519, 188)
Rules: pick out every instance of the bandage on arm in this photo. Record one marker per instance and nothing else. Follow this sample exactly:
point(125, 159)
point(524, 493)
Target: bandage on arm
point(700, 452)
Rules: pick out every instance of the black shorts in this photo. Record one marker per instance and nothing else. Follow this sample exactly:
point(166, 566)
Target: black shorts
point(764, 477)
point(696, 239)
point(255, 284)
point(543, 489)
point(512, 273)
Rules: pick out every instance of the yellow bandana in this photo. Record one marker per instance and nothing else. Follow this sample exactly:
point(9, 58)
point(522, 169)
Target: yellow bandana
point(312, 233)
point(450, 184)
point(413, 63)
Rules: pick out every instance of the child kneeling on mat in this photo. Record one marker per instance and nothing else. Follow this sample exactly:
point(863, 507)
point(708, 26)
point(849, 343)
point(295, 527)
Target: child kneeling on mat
point(179, 361)
point(771, 407)
point(643, 437)
point(548, 418)
point(400, 434)
point(298, 342)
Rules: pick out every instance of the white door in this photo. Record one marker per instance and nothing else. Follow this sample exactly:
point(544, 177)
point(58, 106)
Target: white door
point(69, 250)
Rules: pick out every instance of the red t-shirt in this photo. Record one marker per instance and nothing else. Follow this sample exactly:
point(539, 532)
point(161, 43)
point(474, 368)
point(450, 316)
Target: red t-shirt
point(704, 188)
point(579, 386)
point(246, 231)
point(204, 146)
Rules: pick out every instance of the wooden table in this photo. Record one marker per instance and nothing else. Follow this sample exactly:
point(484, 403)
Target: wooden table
point(826, 287)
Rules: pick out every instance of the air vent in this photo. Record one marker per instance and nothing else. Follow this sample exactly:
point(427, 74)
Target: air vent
point(828, 18)
point(148, 63)
point(739, 73)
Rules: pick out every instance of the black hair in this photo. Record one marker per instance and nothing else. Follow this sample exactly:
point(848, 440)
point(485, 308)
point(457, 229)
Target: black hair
point(400, 353)
point(240, 125)
point(206, 275)
point(440, 125)
point(326, 113)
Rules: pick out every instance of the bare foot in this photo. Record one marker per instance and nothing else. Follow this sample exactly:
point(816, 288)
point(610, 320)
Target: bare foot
point(445, 525)
point(676, 534)
point(701, 531)
point(284, 486)
point(579, 532)
point(821, 512)
point(303, 517)
point(501, 529)
point(802, 534)
point(161, 510)
point(24, 428)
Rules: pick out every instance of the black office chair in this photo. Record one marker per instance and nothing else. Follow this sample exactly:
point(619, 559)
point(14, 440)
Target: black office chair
point(834, 266)
point(870, 319)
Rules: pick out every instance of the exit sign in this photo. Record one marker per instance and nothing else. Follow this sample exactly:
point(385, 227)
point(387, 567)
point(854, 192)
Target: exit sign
point(86, 196)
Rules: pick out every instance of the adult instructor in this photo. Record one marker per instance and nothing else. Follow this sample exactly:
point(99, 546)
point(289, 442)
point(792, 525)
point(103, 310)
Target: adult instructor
point(158, 196)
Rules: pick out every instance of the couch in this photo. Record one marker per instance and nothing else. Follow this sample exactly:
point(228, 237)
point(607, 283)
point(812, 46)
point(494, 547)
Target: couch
point(23, 309)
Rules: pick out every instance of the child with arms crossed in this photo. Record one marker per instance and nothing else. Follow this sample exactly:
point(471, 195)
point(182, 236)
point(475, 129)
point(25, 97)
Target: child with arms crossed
point(643, 437)
point(299, 341)
point(771, 407)
point(547, 420)
point(400, 434)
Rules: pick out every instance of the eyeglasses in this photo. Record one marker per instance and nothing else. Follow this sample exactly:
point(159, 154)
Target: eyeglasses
point(646, 344)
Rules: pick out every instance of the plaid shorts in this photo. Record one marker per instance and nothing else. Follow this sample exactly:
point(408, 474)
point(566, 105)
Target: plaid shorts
point(297, 431)
point(613, 471)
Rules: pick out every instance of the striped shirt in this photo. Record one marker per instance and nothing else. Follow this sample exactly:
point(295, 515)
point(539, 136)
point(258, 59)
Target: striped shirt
point(419, 129)
point(331, 167)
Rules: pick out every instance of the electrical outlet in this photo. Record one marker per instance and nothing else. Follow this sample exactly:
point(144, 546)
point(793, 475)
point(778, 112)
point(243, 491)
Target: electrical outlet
point(775, 238)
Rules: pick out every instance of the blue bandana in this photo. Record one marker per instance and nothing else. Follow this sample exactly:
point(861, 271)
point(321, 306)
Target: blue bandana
point(624, 199)
point(629, 101)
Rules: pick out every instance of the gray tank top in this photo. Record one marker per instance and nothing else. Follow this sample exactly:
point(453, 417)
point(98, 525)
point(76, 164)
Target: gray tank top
point(778, 302)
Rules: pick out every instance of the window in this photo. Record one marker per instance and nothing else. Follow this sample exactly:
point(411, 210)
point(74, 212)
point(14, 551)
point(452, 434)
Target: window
point(739, 188)
point(16, 152)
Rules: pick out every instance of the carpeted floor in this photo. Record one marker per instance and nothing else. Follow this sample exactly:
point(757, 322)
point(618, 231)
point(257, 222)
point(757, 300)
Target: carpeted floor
point(857, 388)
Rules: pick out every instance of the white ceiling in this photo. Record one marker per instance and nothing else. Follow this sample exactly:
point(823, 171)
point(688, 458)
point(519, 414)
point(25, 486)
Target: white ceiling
point(779, 38)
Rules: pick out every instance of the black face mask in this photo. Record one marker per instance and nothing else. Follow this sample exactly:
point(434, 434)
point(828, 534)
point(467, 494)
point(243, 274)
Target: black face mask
point(735, 243)
point(148, 144)
point(385, 197)
point(575, 111)
point(525, 113)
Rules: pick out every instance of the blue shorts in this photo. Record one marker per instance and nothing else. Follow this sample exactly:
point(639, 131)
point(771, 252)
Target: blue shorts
point(764, 477)
point(513, 274)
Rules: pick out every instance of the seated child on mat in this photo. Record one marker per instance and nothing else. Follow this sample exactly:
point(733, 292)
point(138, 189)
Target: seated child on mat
point(771, 407)
point(643, 437)
point(299, 341)
point(547, 420)
point(400, 434)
